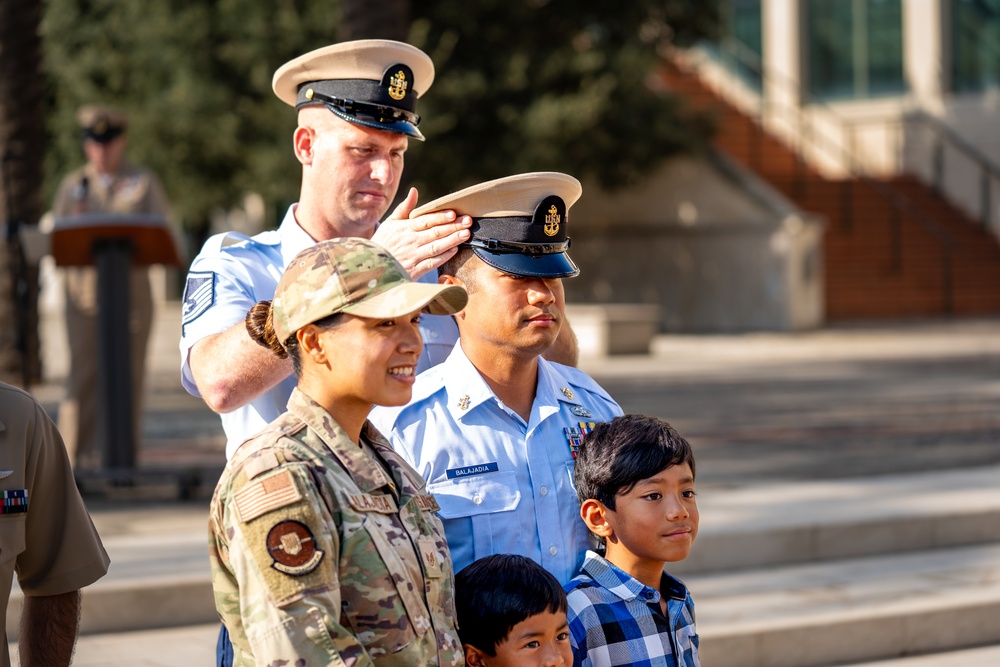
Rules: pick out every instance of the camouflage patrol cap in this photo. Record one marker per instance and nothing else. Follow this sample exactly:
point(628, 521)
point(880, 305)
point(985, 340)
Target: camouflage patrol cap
point(519, 223)
point(370, 82)
point(101, 122)
point(354, 276)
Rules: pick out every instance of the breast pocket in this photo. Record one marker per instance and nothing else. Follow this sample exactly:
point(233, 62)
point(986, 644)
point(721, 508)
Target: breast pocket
point(477, 495)
point(378, 594)
point(11, 536)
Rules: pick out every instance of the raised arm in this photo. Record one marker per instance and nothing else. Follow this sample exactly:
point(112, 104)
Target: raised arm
point(423, 243)
point(230, 369)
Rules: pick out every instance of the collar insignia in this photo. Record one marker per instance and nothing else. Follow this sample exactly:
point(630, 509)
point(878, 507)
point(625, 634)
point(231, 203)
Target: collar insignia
point(567, 392)
point(463, 403)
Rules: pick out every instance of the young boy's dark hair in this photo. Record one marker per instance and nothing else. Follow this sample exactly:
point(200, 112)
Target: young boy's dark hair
point(618, 454)
point(497, 592)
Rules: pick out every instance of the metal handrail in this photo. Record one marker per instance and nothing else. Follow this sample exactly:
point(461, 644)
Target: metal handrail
point(988, 170)
point(898, 202)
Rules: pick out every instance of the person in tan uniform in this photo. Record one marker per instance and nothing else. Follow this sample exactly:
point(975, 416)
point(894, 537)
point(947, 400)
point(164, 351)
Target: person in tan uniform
point(325, 546)
point(46, 535)
point(107, 183)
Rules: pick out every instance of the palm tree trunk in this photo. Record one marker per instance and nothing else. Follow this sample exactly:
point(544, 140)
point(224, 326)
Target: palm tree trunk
point(21, 173)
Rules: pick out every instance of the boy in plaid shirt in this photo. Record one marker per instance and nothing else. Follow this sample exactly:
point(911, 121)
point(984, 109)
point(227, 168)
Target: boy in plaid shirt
point(635, 479)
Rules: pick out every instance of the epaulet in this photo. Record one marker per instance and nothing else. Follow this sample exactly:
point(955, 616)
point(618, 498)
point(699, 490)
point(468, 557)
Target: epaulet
point(270, 438)
point(579, 379)
point(217, 242)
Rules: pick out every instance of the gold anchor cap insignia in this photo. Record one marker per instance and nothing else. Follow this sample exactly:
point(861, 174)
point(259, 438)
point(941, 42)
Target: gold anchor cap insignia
point(567, 392)
point(552, 220)
point(463, 403)
point(398, 85)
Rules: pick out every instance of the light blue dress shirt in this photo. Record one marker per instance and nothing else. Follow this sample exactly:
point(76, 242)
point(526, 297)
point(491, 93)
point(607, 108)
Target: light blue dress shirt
point(504, 486)
point(231, 274)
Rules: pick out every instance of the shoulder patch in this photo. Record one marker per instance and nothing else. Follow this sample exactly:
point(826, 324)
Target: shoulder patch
point(293, 547)
point(267, 495)
point(199, 296)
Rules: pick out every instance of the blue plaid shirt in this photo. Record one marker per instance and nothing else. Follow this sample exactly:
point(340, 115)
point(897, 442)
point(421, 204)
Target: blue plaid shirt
point(616, 620)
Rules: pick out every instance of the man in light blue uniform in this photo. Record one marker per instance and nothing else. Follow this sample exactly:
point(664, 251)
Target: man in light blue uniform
point(356, 108)
point(494, 429)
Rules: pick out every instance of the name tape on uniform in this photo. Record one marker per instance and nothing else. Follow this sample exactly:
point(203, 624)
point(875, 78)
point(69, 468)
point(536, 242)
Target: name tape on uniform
point(468, 471)
point(366, 502)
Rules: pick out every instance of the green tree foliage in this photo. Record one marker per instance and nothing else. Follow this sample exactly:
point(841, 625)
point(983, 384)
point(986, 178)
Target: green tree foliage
point(521, 85)
point(566, 85)
point(196, 79)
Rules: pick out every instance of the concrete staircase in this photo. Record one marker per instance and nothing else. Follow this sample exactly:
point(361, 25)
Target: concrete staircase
point(834, 572)
point(921, 257)
point(793, 574)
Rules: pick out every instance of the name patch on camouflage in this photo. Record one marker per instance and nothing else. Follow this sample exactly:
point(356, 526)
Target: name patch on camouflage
point(365, 502)
point(265, 496)
point(293, 548)
point(14, 501)
point(427, 503)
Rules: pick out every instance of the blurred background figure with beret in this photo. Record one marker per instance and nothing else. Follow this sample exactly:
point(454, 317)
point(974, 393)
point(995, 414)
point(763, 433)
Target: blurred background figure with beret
point(107, 183)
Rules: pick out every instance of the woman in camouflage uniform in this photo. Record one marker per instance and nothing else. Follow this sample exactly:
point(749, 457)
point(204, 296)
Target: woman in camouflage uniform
point(325, 548)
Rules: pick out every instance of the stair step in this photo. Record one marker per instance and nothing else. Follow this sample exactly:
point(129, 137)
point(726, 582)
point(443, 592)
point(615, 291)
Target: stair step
point(187, 646)
point(811, 521)
point(850, 610)
point(984, 656)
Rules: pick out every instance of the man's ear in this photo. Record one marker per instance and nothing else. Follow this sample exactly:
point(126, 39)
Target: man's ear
point(594, 514)
point(452, 280)
point(474, 657)
point(302, 144)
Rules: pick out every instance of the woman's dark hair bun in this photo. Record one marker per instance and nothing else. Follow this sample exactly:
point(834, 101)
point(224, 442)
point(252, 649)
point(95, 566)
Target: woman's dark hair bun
point(259, 324)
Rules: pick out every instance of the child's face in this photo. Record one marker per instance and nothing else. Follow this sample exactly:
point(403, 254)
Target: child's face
point(657, 520)
point(541, 640)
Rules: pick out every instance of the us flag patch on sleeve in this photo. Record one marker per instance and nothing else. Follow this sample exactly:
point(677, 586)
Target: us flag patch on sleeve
point(199, 295)
point(267, 495)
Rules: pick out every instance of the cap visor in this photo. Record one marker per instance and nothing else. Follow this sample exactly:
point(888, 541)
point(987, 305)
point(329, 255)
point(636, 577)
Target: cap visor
point(395, 127)
point(410, 297)
point(556, 265)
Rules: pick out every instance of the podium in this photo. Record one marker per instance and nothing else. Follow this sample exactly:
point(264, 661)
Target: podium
point(114, 244)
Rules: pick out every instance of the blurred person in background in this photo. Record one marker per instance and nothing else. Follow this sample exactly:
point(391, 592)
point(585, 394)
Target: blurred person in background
point(107, 183)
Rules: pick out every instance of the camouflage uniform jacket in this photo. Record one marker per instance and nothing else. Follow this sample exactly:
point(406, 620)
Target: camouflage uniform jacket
point(323, 555)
